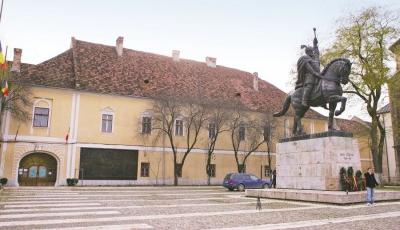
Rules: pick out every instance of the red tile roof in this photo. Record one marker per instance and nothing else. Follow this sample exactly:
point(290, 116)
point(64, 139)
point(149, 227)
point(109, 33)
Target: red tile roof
point(354, 127)
point(97, 68)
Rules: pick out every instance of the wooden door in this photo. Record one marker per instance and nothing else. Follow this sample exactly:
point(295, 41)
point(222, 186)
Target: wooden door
point(37, 169)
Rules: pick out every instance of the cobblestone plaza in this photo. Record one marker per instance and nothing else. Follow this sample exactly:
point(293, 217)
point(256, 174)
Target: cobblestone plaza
point(178, 208)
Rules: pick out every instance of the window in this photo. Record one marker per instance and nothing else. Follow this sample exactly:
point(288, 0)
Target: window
point(267, 132)
point(32, 171)
point(242, 132)
point(145, 169)
point(179, 170)
point(267, 170)
point(211, 130)
point(41, 117)
point(146, 125)
point(106, 123)
point(212, 169)
point(42, 171)
point(179, 128)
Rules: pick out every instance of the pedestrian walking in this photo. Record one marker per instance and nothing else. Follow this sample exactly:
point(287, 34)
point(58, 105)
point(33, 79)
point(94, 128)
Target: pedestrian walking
point(370, 183)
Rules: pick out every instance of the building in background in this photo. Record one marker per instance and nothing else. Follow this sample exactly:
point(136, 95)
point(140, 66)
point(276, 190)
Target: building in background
point(92, 118)
point(394, 97)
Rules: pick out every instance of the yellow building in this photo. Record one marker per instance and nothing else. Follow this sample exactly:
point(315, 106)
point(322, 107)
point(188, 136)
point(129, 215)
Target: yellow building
point(92, 109)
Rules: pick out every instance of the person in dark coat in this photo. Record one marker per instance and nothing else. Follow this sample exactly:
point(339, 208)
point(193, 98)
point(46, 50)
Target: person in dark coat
point(370, 183)
point(273, 179)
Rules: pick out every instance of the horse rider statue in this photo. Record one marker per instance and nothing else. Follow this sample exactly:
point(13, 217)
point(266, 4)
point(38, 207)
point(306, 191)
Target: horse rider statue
point(317, 88)
point(308, 70)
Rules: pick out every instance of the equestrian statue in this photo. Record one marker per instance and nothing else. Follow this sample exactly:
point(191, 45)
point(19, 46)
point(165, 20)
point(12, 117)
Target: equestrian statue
point(315, 88)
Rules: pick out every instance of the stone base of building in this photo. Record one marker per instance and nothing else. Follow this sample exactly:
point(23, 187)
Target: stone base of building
point(314, 161)
point(332, 197)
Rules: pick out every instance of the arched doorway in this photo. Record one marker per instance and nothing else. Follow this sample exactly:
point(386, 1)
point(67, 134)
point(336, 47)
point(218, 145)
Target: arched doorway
point(37, 169)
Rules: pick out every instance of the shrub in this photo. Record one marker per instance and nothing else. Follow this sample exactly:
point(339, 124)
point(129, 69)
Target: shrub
point(359, 180)
point(3, 181)
point(343, 177)
point(72, 181)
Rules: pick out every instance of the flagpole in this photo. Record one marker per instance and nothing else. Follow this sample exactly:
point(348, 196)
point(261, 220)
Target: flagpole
point(1, 9)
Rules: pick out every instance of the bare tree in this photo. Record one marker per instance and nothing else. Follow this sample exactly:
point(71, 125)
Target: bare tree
point(269, 124)
point(18, 101)
point(246, 135)
point(167, 110)
point(217, 119)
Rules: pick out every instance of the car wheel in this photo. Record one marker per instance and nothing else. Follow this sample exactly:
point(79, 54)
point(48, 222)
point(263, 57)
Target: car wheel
point(241, 188)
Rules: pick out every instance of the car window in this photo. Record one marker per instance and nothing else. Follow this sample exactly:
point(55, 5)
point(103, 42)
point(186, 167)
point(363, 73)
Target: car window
point(236, 176)
point(228, 176)
point(253, 177)
point(246, 177)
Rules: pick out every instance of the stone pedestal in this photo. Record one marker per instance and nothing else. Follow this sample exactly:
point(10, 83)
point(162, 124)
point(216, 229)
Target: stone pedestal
point(313, 161)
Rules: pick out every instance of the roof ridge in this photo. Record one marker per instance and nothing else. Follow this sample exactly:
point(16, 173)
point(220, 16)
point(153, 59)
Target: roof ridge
point(159, 55)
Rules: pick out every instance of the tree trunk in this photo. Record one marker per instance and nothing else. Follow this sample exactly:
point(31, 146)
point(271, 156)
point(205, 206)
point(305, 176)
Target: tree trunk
point(208, 169)
point(175, 171)
point(376, 153)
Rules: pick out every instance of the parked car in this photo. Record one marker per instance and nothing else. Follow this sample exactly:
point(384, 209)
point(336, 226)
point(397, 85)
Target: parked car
point(241, 181)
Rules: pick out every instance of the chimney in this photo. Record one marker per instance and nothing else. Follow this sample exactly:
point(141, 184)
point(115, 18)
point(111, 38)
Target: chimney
point(119, 45)
point(211, 62)
point(255, 81)
point(175, 55)
point(16, 65)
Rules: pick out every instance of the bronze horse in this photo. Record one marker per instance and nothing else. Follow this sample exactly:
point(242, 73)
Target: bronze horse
point(327, 91)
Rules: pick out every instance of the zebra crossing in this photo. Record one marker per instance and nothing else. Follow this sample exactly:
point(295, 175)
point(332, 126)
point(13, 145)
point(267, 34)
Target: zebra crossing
point(157, 208)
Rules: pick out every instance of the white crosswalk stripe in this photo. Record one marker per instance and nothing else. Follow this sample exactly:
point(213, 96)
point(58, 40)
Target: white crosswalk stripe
point(119, 207)
point(117, 195)
point(58, 214)
point(108, 227)
point(49, 205)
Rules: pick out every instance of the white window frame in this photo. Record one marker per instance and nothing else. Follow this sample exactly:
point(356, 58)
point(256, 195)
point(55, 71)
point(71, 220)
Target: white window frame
point(35, 116)
point(142, 124)
point(244, 127)
point(107, 111)
point(49, 104)
point(183, 127)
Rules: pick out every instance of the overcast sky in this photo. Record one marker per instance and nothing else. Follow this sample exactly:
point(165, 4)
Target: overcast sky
point(253, 35)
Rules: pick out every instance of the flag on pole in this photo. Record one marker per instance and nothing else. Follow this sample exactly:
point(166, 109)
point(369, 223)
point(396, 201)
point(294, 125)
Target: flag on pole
point(2, 58)
point(67, 135)
point(4, 90)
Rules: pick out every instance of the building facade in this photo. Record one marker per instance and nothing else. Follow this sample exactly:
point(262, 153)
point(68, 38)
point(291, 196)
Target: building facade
point(92, 119)
point(394, 97)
